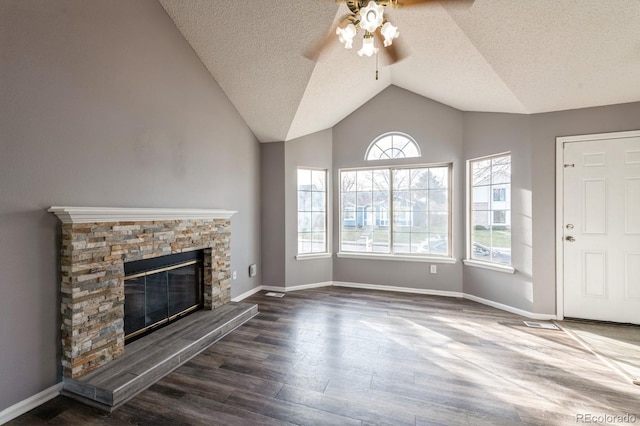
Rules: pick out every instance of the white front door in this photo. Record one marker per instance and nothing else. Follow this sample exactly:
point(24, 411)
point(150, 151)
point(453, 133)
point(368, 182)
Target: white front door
point(601, 228)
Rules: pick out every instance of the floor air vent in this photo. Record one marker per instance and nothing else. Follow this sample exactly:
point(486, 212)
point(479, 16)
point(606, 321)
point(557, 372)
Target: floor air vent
point(545, 325)
point(273, 294)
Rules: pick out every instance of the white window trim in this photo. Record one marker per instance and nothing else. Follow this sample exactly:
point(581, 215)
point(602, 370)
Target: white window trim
point(311, 256)
point(328, 223)
point(384, 135)
point(403, 256)
point(507, 269)
point(469, 261)
point(397, 257)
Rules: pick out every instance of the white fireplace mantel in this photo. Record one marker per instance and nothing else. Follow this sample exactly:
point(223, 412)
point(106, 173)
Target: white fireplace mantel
point(126, 214)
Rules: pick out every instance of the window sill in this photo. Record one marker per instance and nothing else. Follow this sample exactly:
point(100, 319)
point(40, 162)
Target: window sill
point(312, 256)
point(506, 269)
point(406, 258)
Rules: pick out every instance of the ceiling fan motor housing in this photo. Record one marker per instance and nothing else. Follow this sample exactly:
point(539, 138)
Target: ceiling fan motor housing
point(355, 5)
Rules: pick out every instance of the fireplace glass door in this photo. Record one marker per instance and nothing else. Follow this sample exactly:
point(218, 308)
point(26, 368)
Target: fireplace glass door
point(161, 290)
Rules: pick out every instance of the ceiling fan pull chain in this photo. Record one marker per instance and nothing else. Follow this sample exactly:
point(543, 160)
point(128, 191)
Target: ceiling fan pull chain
point(376, 67)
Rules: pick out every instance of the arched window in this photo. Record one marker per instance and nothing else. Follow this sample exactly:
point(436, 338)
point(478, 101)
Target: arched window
point(392, 145)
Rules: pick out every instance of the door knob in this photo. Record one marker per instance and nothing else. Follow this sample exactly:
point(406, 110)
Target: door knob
point(570, 239)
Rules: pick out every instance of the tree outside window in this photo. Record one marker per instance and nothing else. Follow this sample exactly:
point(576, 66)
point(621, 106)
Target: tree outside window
point(391, 146)
point(312, 211)
point(397, 210)
point(490, 204)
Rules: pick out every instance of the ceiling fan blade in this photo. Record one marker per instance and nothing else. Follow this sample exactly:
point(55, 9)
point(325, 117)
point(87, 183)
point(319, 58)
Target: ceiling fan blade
point(314, 51)
point(395, 52)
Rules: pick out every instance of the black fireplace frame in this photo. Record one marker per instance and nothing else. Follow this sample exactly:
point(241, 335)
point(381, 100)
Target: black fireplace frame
point(148, 267)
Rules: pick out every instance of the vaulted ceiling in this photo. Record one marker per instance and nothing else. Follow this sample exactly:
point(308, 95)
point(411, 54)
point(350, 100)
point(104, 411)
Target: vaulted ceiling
point(519, 56)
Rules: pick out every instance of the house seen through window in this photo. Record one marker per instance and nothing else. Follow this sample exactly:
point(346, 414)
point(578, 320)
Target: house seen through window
point(396, 210)
point(490, 204)
point(312, 211)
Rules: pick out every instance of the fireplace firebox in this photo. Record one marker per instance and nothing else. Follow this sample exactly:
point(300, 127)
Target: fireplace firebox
point(161, 290)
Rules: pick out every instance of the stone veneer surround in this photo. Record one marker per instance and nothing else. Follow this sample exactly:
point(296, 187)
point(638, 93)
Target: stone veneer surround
point(96, 242)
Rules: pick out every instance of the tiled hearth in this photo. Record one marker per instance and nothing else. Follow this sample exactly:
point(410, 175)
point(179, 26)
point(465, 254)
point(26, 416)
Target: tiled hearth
point(96, 242)
point(152, 357)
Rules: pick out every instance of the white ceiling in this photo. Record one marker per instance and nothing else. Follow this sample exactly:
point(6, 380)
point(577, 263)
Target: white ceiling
point(520, 56)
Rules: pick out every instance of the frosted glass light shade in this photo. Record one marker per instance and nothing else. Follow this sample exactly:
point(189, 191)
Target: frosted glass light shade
point(346, 35)
point(389, 32)
point(368, 47)
point(371, 16)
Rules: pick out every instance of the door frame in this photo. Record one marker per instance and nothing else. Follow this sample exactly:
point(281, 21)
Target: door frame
point(560, 141)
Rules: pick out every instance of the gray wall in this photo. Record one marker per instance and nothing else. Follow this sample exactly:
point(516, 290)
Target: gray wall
point(103, 104)
point(438, 129)
point(446, 134)
point(272, 189)
point(532, 141)
point(308, 151)
point(489, 134)
point(544, 130)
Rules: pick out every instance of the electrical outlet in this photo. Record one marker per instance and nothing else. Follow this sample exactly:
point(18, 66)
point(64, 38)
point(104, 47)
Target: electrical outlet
point(234, 275)
point(434, 269)
point(253, 270)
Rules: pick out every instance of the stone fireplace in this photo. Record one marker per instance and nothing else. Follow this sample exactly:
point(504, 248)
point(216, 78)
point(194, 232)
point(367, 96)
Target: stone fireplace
point(97, 242)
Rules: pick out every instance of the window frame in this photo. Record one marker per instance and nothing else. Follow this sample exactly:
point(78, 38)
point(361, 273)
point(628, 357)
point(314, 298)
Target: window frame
point(415, 257)
point(470, 261)
point(375, 142)
point(327, 212)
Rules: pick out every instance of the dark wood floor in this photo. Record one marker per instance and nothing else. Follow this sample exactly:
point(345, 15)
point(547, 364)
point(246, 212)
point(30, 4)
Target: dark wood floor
point(338, 356)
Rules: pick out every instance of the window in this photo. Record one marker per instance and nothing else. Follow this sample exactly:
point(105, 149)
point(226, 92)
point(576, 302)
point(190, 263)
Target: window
point(499, 216)
point(490, 203)
point(499, 194)
point(396, 211)
point(312, 211)
point(392, 145)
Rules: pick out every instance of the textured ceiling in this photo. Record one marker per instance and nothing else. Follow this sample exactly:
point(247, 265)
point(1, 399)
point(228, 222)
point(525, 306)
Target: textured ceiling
point(520, 56)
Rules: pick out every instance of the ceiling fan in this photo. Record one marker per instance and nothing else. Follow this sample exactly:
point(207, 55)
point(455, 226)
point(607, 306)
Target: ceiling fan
point(367, 17)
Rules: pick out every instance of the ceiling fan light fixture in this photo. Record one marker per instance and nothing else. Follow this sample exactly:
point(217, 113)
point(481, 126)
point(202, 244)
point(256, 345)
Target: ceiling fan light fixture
point(368, 46)
point(346, 35)
point(370, 20)
point(371, 16)
point(389, 32)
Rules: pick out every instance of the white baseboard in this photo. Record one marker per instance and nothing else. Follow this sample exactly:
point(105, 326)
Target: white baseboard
point(273, 288)
point(308, 286)
point(247, 294)
point(280, 289)
point(444, 293)
point(507, 308)
point(30, 403)
point(399, 289)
